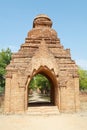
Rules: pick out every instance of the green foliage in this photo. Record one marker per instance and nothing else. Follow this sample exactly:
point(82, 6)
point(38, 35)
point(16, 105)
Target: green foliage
point(5, 57)
point(83, 79)
point(41, 82)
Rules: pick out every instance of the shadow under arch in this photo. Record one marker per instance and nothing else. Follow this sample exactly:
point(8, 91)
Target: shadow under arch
point(50, 75)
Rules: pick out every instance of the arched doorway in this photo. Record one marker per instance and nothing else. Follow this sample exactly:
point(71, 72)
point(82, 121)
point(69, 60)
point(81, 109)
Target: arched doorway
point(40, 91)
point(49, 90)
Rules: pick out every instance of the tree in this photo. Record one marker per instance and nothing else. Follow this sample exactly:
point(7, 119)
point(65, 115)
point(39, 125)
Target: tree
point(83, 79)
point(41, 82)
point(5, 57)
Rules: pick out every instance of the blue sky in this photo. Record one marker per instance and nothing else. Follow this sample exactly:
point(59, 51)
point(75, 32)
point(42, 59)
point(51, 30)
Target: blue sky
point(69, 20)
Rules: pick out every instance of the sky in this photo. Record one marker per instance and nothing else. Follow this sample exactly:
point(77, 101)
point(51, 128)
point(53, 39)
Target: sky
point(69, 19)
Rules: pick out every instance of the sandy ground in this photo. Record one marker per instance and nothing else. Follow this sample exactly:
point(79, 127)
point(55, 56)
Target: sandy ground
point(76, 121)
point(57, 122)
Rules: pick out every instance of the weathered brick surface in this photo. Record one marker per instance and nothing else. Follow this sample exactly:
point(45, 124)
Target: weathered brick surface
point(43, 53)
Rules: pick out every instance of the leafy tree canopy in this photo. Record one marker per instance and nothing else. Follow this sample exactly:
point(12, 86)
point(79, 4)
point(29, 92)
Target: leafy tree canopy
point(82, 79)
point(41, 82)
point(5, 57)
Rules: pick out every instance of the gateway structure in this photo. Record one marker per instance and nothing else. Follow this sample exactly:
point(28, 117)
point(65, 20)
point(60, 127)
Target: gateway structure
point(42, 53)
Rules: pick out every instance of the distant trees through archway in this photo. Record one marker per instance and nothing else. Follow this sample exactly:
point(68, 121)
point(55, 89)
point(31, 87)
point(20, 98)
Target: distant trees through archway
point(39, 91)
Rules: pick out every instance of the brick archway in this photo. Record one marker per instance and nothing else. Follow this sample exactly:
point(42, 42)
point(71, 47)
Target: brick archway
point(49, 74)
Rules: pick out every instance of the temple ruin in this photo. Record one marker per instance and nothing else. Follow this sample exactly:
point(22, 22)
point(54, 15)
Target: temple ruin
point(42, 53)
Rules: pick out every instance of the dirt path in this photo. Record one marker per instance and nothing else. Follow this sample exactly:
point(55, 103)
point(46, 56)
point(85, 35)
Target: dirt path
point(36, 97)
point(59, 122)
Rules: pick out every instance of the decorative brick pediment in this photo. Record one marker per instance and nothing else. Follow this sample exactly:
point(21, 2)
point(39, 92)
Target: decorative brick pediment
point(44, 57)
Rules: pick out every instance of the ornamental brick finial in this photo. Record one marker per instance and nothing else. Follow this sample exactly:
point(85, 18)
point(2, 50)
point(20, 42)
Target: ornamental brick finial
point(42, 20)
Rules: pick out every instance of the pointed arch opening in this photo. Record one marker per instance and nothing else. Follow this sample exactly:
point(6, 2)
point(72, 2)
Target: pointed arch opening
point(42, 88)
point(39, 90)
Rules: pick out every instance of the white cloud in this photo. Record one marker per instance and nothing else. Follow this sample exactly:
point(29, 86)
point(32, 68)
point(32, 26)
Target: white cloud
point(82, 63)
